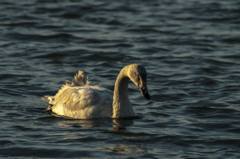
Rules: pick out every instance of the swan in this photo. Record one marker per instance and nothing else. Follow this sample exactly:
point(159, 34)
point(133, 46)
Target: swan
point(79, 99)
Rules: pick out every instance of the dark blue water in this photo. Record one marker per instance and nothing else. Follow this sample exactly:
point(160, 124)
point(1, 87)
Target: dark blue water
point(191, 50)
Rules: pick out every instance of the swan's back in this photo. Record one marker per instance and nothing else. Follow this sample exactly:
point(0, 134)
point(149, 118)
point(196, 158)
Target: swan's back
point(78, 99)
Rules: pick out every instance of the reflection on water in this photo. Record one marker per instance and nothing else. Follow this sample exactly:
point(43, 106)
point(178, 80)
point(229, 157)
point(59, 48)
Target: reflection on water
point(85, 123)
point(130, 149)
point(121, 124)
point(117, 124)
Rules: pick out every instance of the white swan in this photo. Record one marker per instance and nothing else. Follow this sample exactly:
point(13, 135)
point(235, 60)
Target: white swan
point(78, 99)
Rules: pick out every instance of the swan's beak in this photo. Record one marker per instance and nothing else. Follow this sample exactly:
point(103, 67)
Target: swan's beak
point(144, 92)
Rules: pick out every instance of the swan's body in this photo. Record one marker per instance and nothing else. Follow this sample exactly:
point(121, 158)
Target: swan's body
point(78, 99)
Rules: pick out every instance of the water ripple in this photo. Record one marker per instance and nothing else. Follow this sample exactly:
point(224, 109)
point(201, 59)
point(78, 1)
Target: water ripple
point(190, 51)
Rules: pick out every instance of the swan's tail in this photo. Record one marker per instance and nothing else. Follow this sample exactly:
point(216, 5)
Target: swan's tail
point(48, 99)
point(78, 80)
point(49, 108)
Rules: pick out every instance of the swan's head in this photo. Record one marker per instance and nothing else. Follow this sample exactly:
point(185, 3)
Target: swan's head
point(138, 75)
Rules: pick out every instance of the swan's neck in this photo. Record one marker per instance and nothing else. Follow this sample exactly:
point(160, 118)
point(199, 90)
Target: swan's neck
point(122, 107)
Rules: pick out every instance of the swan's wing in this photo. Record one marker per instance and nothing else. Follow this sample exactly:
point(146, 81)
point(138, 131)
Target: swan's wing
point(78, 80)
point(83, 102)
point(78, 99)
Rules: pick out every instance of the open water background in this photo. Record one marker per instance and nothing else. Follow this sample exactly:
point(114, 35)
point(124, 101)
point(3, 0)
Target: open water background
point(191, 50)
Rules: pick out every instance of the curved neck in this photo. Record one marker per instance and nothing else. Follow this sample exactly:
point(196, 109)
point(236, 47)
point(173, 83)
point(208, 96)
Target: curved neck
point(122, 107)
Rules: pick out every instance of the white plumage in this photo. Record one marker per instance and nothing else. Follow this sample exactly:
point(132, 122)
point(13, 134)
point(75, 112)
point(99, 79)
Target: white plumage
point(79, 99)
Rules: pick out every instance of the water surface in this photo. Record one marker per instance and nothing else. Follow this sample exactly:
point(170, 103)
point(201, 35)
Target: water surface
point(189, 48)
